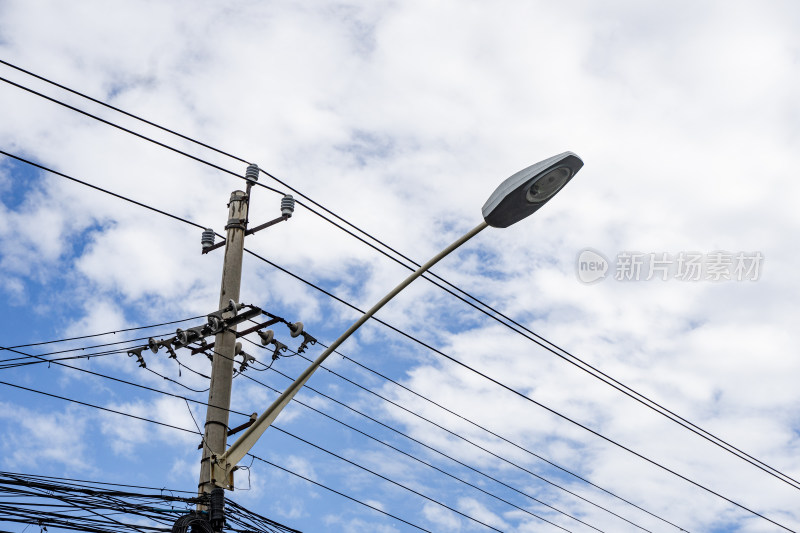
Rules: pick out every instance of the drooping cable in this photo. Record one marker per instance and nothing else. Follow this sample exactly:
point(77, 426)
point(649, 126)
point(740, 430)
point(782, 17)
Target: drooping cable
point(93, 506)
point(350, 427)
point(365, 504)
point(450, 358)
point(371, 437)
point(112, 332)
point(472, 300)
point(472, 443)
point(144, 419)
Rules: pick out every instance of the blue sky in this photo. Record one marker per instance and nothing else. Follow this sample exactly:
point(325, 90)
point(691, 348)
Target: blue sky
point(402, 118)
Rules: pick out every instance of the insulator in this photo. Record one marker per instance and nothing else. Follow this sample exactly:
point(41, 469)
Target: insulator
point(252, 173)
point(266, 336)
point(215, 322)
point(207, 240)
point(188, 336)
point(183, 336)
point(296, 329)
point(287, 205)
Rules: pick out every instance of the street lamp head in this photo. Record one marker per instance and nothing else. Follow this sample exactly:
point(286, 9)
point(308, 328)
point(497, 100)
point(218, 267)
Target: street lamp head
point(529, 189)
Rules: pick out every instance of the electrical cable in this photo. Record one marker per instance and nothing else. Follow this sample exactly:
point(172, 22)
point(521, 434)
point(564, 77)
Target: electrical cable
point(500, 437)
point(70, 358)
point(113, 332)
point(433, 449)
point(720, 443)
point(11, 348)
point(121, 111)
point(415, 458)
point(521, 395)
point(83, 506)
point(339, 493)
point(278, 429)
point(95, 187)
point(418, 459)
point(332, 418)
point(464, 365)
point(145, 387)
point(364, 468)
point(81, 482)
point(439, 452)
point(367, 435)
point(135, 134)
point(530, 335)
point(95, 406)
point(177, 382)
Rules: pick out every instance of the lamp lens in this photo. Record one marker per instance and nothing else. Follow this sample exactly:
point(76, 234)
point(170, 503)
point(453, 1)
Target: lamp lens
point(549, 184)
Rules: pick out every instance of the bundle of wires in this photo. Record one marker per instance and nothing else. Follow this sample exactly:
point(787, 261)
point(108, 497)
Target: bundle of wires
point(96, 507)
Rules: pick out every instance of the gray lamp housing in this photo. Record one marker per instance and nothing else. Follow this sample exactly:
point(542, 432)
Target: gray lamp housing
point(529, 189)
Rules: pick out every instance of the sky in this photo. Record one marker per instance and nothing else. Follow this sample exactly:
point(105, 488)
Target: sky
point(667, 263)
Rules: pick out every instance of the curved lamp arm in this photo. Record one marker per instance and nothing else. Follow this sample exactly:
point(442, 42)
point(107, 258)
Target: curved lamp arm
point(223, 465)
point(516, 198)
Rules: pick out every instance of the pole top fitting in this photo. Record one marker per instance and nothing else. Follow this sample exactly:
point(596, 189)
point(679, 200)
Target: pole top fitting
point(237, 196)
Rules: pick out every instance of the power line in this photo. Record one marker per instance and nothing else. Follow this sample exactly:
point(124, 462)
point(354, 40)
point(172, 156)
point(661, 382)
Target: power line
point(70, 358)
point(82, 482)
point(11, 348)
point(86, 404)
point(145, 387)
point(361, 432)
point(517, 393)
point(112, 332)
point(504, 439)
point(464, 365)
point(118, 110)
point(353, 463)
point(95, 187)
point(411, 456)
point(416, 458)
point(524, 331)
point(126, 130)
point(93, 506)
point(461, 437)
point(339, 493)
point(367, 435)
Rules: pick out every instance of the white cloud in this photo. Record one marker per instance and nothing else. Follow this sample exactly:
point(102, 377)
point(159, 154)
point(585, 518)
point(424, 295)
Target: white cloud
point(403, 117)
point(128, 435)
point(41, 438)
point(443, 518)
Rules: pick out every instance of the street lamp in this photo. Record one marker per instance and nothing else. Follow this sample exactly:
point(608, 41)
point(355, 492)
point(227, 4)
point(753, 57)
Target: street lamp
point(516, 198)
point(529, 189)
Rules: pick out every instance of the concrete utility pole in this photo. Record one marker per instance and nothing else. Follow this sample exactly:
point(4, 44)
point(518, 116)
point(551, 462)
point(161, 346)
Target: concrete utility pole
point(219, 395)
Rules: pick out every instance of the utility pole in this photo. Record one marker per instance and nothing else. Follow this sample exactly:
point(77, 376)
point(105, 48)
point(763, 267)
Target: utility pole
point(210, 513)
point(219, 394)
point(216, 431)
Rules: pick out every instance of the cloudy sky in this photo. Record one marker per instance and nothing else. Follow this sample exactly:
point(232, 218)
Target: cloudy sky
point(401, 117)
